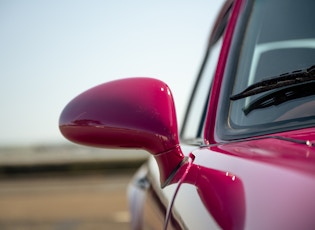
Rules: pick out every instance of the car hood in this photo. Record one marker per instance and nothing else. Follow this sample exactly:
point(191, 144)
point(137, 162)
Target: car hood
point(293, 149)
point(271, 182)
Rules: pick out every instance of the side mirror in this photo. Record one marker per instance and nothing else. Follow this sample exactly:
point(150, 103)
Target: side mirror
point(128, 113)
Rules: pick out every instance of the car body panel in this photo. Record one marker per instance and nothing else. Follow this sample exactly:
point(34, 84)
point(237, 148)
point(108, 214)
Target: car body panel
point(259, 173)
point(209, 130)
point(278, 175)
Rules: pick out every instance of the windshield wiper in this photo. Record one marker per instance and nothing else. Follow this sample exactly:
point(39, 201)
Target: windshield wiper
point(287, 79)
point(281, 96)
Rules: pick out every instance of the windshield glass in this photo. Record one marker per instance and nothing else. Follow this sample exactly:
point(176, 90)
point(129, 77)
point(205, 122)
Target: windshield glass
point(278, 39)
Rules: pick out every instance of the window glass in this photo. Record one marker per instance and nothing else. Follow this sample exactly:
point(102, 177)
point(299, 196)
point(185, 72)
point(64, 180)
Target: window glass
point(197, 110)
point(193, 126)
point(279, 41)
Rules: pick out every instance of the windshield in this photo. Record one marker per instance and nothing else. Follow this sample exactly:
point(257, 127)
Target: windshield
point(277, 39)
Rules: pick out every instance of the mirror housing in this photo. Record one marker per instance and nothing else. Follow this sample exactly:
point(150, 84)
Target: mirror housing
point(128, 113)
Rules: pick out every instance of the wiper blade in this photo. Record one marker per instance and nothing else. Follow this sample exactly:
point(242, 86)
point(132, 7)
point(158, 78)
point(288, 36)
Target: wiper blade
point(287, 79)
point(281, 96)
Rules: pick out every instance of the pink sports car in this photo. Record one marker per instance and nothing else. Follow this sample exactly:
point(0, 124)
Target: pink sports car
point(245, 155)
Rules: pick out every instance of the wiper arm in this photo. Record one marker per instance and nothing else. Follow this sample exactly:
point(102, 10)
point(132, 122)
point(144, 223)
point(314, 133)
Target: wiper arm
point(287, 79)
point(281, 96)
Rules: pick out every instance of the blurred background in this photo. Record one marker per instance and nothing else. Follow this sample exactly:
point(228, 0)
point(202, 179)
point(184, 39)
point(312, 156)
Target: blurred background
point(50, 51)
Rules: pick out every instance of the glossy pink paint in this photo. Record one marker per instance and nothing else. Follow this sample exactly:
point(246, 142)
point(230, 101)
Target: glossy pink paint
point(127, 113)
point(237, 182)
point(278, 187)
point(140, 113)
point(294, 150)
point(222, 193)
point(209, 131)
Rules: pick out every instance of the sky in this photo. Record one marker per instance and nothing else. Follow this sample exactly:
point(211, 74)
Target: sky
point(51, 51)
